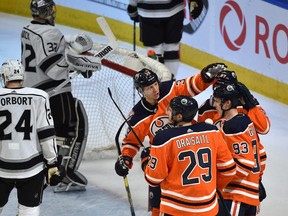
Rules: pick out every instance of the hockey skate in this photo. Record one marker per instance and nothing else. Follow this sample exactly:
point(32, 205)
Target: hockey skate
point(66, 187)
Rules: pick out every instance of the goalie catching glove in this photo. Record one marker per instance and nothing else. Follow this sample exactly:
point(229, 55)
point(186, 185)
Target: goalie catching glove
point(209, 72)
point(79, 43)
point(55, 172)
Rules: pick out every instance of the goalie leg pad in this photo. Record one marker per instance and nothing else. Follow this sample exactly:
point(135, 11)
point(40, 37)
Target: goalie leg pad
point(72, 149)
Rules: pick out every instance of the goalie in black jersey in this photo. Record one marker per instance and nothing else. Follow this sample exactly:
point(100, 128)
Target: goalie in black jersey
point(48, 58)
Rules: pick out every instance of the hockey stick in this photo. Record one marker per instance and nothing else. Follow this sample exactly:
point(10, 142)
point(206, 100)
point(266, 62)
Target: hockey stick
point(223, 203)
point(124, 177)
point(134, 49)
point(105, 51)
point(125, 119)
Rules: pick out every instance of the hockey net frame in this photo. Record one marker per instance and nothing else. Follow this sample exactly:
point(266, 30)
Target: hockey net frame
point(104, 119)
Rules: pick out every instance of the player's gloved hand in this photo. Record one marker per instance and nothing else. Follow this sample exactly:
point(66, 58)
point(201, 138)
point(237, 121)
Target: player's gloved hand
point(262, 191)
point(55, 172)
point(123, 164)
point(195, 8)
point(145, 157)
point(226, 77)
point(248, 98)
point(81, 43)
point(87, 74)
point(209, 72)
point(133, 13)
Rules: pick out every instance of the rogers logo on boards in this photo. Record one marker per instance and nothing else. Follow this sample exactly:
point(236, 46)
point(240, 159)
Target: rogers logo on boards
point(233, 44)
point(273, 40)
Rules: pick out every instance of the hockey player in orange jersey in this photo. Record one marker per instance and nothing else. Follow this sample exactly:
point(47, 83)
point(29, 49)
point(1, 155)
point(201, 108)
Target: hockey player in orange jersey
point(248, 105)
point(189, 161)
point(242, 193)
point(148, 116)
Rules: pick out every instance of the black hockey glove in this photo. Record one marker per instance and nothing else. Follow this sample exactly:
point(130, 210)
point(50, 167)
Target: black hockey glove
point(195, 8)
point(55, 172)
point(87, 74)
point(133, 13)
point(122, 165)
point(209, 72)
point(145, 157)
point(248, 98)
point(262, 191)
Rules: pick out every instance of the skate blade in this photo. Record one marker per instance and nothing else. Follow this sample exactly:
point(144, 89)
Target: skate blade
point(68, 188)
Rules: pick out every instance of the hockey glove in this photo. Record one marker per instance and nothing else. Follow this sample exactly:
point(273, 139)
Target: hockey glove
point(248, 98)
point(55, 172)
point(122, 165)
point(209, 72)
point(195, 8)
point(262, 191)
point(145, 157)
point(81, 43)
point(133, 13)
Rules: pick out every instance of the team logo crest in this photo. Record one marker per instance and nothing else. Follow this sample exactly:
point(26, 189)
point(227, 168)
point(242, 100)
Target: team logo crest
point(159, 124)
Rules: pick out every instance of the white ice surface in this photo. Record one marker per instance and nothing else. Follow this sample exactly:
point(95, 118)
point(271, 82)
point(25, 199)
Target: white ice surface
point(106, 194)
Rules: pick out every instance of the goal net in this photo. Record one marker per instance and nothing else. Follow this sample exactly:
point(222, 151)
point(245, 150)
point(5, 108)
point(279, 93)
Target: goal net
point(104, 119)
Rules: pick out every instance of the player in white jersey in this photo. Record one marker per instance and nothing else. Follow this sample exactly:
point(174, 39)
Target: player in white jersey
point(27, 141)
point(43, 56)
point(161, 26)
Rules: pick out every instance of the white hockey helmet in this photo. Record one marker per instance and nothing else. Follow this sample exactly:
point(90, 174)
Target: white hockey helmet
point(45, 9)
point(12, 70)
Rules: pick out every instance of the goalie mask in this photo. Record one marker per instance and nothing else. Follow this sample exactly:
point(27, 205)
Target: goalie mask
point(45, 9)
point(184, 105)
point(12, 70)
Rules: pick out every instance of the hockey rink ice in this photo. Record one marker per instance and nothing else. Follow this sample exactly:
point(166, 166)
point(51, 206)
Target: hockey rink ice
point(106, 194)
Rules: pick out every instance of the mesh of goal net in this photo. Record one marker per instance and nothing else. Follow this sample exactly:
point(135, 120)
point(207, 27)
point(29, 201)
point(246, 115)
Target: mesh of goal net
point(104, 119)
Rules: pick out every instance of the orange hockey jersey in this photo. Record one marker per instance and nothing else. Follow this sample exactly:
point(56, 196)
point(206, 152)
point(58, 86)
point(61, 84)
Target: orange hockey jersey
point(189, 163)
point(242, 140)
point(257, 115)
point(148, 120)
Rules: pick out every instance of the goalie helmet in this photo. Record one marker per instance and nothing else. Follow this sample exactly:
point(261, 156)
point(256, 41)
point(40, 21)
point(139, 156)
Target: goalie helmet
point(144, 77)
point(45, 9)
point(184, 105)
point(12, 70)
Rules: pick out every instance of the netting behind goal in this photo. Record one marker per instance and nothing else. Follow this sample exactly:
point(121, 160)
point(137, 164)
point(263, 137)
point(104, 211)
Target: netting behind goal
point(104, 119)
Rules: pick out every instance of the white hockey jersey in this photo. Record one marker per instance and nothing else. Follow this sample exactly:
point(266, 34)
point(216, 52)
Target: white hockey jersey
point(43, 57)
point(157, 9)
point(27, 134)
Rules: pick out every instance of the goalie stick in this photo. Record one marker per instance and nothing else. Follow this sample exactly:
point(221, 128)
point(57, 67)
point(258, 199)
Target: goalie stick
point(105, 51)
